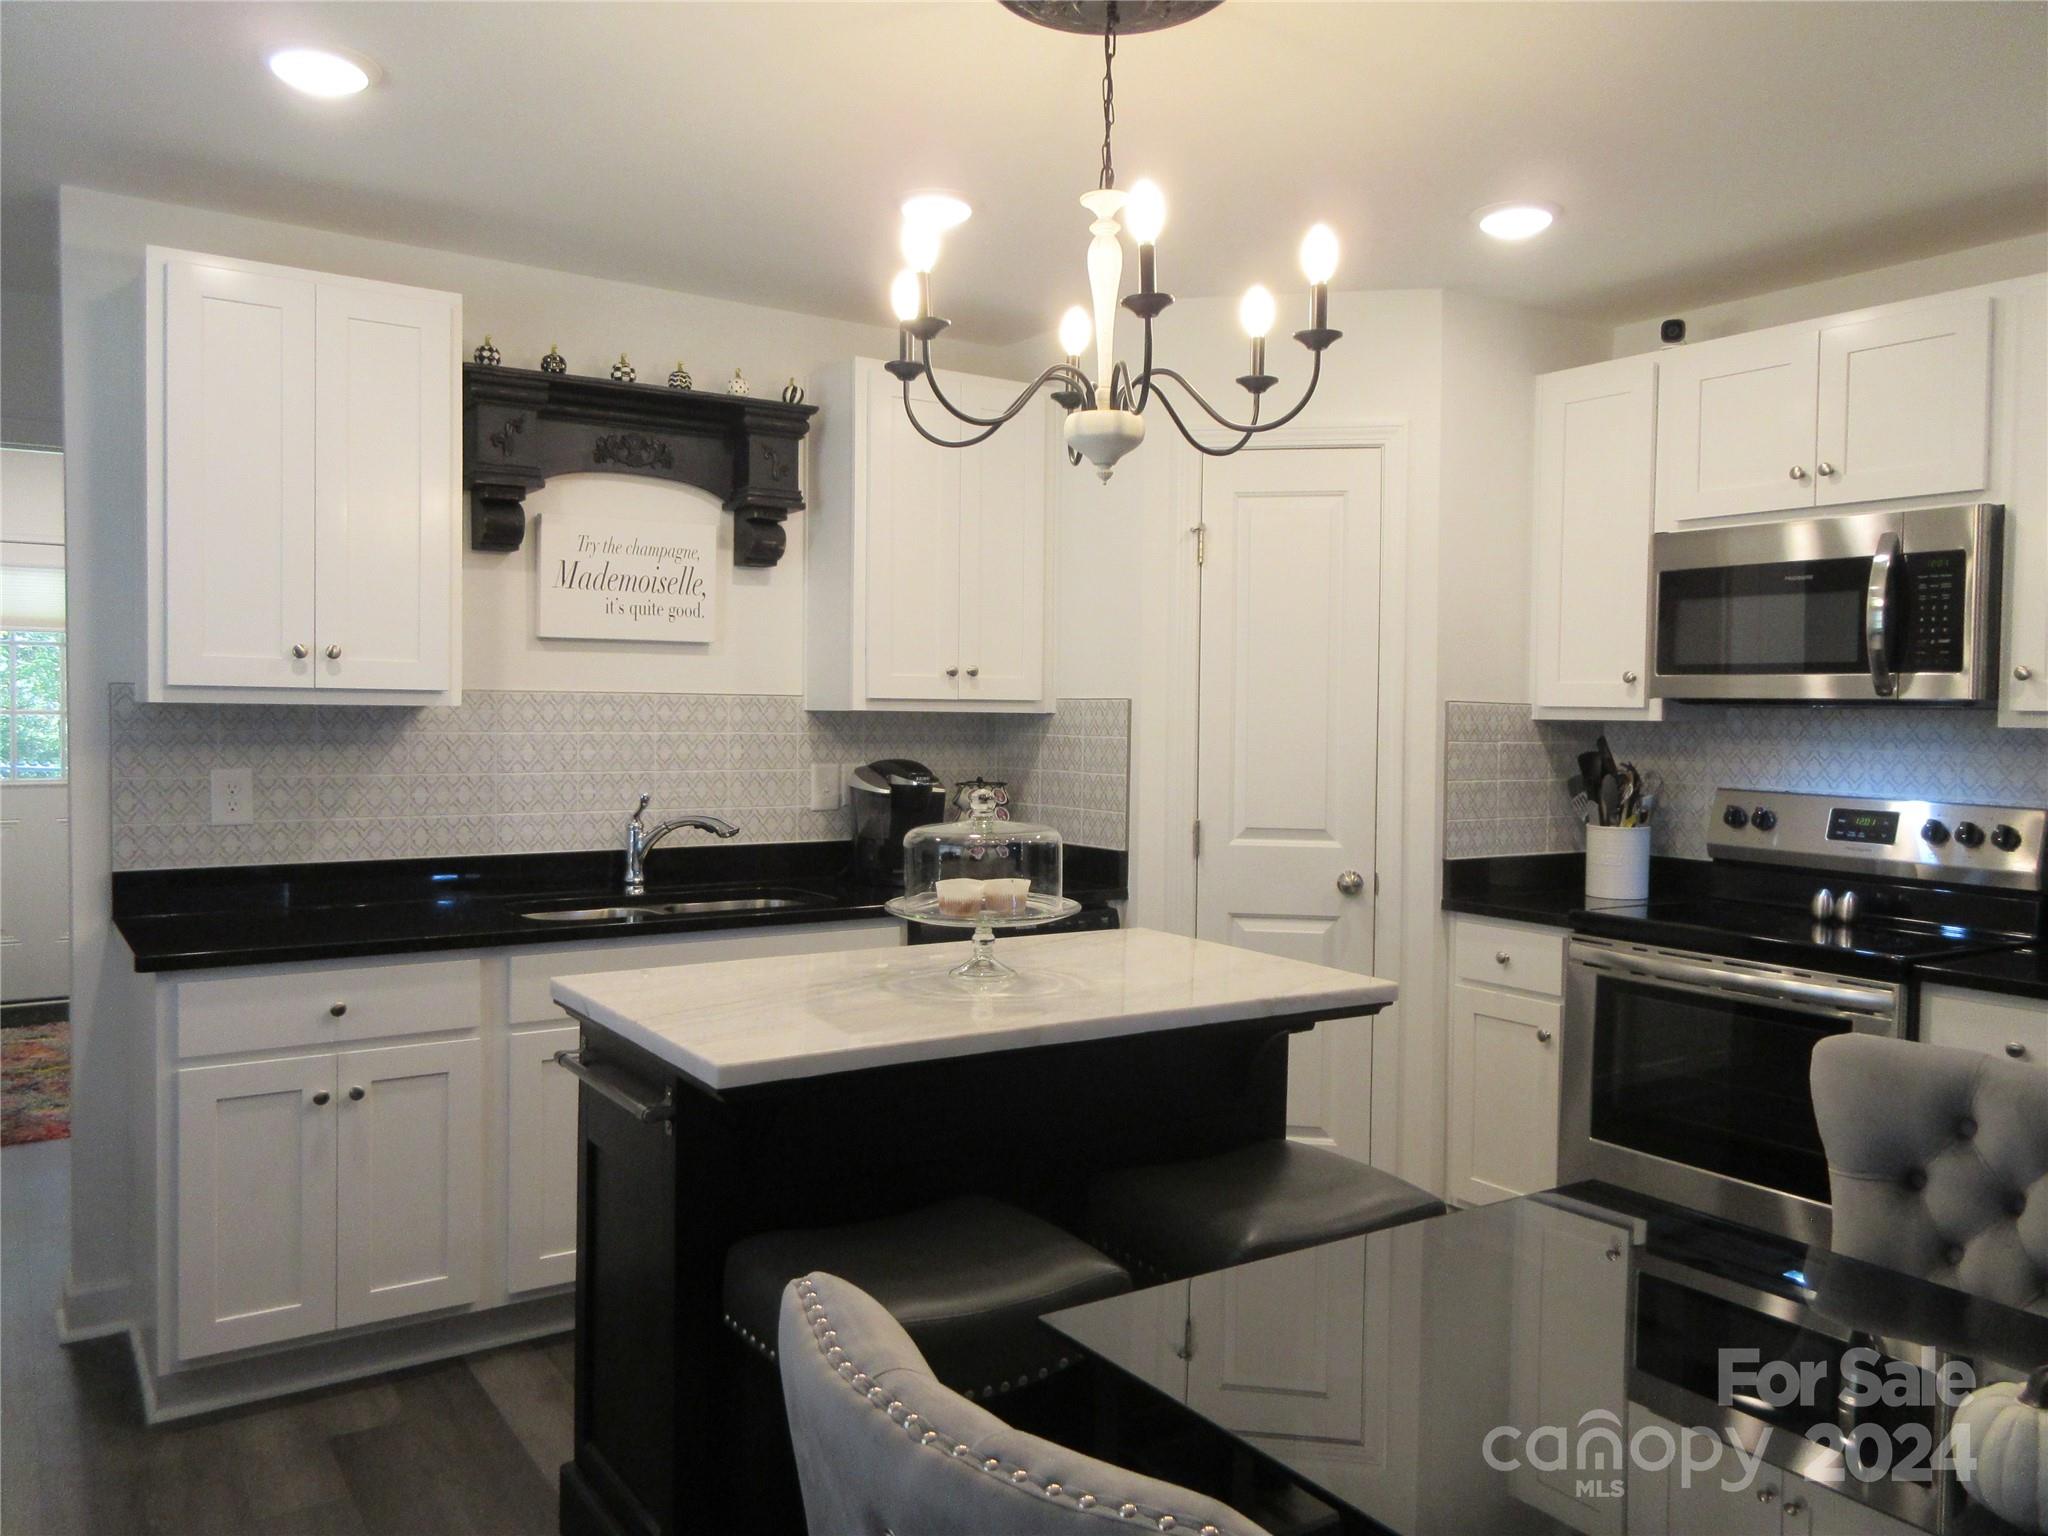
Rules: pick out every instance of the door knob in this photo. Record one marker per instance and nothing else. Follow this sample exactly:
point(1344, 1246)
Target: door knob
point(1823, 468)
point(356, 1094)
point(2022, 672)
point(299, 653)
point(1798, 471)
point(334, 653)
point(1351, 882)
point(1628, 677)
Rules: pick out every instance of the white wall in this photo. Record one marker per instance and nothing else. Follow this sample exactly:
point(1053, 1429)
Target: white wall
point(31, 496)
point(1994, 263)
point(525, 309)
point(31, 374)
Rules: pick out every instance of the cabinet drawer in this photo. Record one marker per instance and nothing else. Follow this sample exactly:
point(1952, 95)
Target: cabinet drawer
point(1991, 1022)
point(280, 1007)
point(1516, 955)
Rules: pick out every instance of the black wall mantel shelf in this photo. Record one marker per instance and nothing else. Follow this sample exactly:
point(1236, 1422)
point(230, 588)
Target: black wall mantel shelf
point(520, 426)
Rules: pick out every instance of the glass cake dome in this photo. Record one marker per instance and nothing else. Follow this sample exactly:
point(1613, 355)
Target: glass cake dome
point(982, 872)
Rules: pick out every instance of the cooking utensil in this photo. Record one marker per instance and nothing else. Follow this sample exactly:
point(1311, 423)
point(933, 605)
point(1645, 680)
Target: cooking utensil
point(1610, 801)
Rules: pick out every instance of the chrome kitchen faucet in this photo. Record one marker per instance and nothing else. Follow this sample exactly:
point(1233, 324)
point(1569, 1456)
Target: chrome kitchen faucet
point(639, 839)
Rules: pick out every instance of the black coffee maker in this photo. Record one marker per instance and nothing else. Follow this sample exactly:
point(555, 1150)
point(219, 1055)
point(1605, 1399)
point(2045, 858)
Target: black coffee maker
point(890, 796)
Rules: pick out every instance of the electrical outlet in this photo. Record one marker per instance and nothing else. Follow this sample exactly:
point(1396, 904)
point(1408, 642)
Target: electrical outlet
point(828, 786)
point(234, 797)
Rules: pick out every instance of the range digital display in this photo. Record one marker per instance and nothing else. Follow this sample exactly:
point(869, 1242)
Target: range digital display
point(1849, 826)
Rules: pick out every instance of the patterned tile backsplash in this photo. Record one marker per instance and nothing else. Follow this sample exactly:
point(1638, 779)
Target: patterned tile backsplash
point(1504, 773)
point(553, 772)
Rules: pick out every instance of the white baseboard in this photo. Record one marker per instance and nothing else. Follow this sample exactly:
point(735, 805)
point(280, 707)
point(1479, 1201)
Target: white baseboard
point(94, 1311)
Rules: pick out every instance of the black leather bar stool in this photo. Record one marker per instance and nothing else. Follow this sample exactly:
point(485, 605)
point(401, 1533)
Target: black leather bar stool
point(967, 1278)
point(1172, 1220)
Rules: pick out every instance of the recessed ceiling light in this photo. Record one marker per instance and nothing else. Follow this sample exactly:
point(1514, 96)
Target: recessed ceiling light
point(936, 211)
point(1515, 221)
point(320, 72)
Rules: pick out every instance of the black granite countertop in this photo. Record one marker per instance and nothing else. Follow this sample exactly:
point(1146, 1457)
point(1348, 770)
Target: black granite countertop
point(194, 919)
point(2016, 972)
point(1546, 888)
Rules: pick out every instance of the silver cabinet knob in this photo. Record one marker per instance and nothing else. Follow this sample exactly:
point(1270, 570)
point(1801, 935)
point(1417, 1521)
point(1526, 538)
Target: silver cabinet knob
point(1629, 678)
point(1794, 1508)
point(299, 653)
point(1501, 957)
point(334, 653)
point(1767, 1495)
point(974, 671)
point(338, 1009)
point(321, 1097)
point(1543, 1037)
point(1823, 468)
point(952, 671)
point(356, 1094)
point(2015, 1050)
point(1351, 882)
point(2022, 672)
point(1798, 471)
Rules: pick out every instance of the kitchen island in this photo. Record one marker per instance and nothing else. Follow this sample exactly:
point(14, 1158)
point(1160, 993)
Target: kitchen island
point(732, 1098)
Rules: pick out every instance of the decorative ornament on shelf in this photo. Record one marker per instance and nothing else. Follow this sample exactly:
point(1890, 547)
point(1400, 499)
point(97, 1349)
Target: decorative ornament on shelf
point(488, 355)
point(1106, 414)
point(622, 371)
point(554, 362)
point(792, 392)
point(680, 378)
point(739, 384)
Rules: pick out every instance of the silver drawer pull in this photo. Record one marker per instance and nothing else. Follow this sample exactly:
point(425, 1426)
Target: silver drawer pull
point(1501, 957)
point(614, 1087)
point(2015, 1050)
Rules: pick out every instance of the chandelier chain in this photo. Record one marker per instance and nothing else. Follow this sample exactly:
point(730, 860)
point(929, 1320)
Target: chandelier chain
point(1108, 178)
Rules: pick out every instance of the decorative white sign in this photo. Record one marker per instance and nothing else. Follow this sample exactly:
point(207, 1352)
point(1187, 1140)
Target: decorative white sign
point(615, 574)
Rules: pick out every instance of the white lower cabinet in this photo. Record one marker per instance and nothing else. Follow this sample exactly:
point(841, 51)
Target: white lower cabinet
point(540, 1178)
point(2015, 1028)
point(255, 1203)
point(410, 1191)
point(1504, 1079)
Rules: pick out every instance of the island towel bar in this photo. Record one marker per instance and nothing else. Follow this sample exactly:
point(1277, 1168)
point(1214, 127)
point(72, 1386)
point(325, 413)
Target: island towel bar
point(615, 1086)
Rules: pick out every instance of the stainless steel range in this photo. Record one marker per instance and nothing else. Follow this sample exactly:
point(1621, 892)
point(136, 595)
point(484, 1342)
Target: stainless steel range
point(1690, 1019)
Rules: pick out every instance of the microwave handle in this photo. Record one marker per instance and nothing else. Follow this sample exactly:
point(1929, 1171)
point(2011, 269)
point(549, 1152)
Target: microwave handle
point(1878, 616)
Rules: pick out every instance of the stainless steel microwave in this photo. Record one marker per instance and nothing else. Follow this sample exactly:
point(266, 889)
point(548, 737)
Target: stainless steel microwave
point(1881, 606)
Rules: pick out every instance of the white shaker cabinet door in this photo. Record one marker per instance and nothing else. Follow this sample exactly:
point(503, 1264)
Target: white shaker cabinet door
point(238, 544)
point(1002, 558)
point(411, 1198)
point(540, 1244)
point(1735, 427)
point(1905, 403)
point(1504, 1094)
point(1596, 444)
point(385, 489)
point(256, 1193)
point(913, 556)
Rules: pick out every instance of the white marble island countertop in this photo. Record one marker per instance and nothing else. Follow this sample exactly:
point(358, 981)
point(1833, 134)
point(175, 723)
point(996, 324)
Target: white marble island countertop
point(738, 1023)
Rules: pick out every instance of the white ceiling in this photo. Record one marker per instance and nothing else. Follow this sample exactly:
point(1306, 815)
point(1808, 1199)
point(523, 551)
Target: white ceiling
point(757, 151)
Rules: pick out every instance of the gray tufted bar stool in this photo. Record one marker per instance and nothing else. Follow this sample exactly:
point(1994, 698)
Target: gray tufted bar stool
point(1173, 1220)
point(881, 1446)
point(1938, 1163)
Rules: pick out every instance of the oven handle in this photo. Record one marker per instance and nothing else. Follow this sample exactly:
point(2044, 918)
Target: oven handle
point(1807, 996)
point(1877, 605)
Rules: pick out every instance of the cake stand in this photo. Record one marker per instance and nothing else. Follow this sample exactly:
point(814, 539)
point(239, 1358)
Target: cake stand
point(981, 966)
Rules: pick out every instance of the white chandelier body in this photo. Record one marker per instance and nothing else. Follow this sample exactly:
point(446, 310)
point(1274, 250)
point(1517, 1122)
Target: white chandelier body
point(1106, 414)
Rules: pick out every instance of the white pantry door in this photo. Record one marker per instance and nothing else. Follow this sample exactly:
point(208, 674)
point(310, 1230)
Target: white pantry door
point(1288, 736)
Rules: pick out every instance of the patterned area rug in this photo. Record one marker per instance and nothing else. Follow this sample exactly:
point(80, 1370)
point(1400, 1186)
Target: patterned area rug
point(35, 1083)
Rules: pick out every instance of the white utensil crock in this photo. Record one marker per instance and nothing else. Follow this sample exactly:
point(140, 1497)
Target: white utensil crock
point(1617, 864)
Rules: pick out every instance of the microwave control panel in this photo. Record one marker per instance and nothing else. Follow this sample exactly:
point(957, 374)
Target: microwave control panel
point(1931, 638)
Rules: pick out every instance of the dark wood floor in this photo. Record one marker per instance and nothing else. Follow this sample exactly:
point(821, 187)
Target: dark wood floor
point(468, 1446)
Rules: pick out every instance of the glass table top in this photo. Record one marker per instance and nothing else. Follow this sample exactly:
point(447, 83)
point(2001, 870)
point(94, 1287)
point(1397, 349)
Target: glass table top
point(1584, 1360)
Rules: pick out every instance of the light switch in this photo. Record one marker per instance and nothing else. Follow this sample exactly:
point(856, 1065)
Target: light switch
point(828, 786)
point(234, 797)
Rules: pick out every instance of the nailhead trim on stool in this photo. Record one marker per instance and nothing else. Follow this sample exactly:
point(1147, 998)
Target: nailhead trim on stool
point(920, 1430)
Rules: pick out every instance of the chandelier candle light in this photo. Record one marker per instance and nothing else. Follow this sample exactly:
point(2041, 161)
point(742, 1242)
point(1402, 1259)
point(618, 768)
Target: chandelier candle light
point(1105, 414)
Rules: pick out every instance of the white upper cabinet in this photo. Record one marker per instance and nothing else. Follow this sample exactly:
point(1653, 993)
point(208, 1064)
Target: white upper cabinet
point(1595, 505)
point(1904, 403)
point(304, 490)
point(926, 581)
point(1854, 409)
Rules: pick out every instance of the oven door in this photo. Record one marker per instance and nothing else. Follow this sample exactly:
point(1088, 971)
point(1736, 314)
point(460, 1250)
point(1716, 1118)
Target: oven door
point(1686, 1078)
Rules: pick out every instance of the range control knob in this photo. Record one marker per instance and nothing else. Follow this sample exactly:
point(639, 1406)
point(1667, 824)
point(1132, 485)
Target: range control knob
point(1934, 832)
point(1763, 818)
point(1823, 905)
point(1847, 905)
point(1969, 834)
point(2005, 839)
point(1736, 817)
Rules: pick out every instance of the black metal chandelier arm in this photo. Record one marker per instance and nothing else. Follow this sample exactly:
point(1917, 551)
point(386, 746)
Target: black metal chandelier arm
point(1254, 425)
point(1057, 373)
point(946, 442)
point(1250, 431)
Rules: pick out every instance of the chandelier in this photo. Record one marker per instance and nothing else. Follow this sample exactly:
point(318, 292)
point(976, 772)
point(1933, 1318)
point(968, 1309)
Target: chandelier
point(1106, 414)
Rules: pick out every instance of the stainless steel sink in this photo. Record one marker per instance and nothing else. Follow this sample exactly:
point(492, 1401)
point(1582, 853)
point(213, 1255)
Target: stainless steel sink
point(644, 911)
